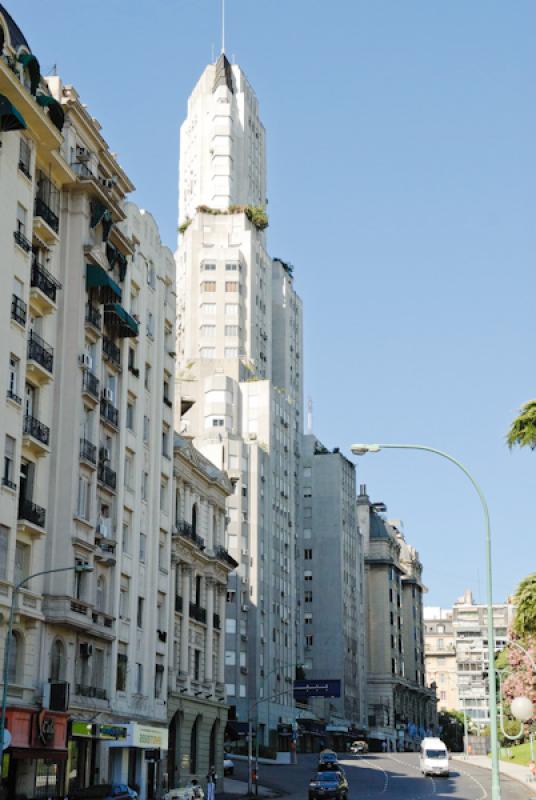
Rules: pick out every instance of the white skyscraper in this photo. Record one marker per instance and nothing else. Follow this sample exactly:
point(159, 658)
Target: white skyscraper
point(239, 379)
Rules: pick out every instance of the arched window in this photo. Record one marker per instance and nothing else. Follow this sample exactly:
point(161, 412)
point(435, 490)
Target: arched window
point(193, 747)
point(15, 662)
point(194, 518)
point(57, 661)
point(101, 593)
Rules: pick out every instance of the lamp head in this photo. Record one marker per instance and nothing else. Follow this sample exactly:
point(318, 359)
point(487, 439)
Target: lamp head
point(363, 449)
point(522, 708)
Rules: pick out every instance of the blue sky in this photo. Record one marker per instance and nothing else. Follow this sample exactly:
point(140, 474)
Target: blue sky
point(401, 146)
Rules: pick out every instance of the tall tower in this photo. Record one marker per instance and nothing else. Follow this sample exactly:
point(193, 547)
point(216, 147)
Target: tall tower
point(239, 378)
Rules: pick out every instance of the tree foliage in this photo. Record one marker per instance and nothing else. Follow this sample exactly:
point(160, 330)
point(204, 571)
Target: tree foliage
point(525, 601)
point(523, 429)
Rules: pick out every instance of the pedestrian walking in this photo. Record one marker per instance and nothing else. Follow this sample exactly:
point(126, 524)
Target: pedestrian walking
point(211, 784)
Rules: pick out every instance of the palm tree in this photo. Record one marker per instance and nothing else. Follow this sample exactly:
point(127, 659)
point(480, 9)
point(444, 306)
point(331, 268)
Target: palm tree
point(525, 601)
point(523, 429)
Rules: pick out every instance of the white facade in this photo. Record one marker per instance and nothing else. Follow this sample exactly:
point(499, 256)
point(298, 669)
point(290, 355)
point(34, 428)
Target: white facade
point(230, 295)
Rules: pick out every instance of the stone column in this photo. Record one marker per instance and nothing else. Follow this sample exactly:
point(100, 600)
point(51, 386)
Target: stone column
point(210, 526)
point(186, 573)
point(210, 630)
point(221, 653)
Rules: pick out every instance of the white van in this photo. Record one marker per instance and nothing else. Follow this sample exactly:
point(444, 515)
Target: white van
point(434, 757)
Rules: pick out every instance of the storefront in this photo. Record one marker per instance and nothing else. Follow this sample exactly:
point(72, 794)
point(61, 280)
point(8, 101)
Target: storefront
point(34, 764)
point(139, 758)
point(84, 766)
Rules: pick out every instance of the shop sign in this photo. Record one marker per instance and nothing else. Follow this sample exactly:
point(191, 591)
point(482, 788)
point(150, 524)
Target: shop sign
point(147, 737)
point(89, 730)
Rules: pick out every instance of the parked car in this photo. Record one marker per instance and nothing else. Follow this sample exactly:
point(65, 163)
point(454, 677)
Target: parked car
point(359, 746)
point(189, 792)
point(328, 784)
point(228, 764)
point(104, 791)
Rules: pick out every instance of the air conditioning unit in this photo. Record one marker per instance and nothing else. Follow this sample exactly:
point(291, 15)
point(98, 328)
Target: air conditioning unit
point(82, 153)
point(86, 650)
point(85, 360)
point(104, 454)
point(108, 394)
point(56, 695)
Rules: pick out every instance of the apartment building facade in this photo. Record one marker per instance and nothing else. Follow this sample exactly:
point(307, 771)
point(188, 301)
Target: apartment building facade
point(331, 589)
point(401, 708)
point(230, 292)
point(440, 656)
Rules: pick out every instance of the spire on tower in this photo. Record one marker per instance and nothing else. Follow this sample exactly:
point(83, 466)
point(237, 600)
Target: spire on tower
point(223, 26)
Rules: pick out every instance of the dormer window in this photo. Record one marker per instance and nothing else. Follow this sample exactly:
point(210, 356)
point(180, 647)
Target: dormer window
point(31, 71)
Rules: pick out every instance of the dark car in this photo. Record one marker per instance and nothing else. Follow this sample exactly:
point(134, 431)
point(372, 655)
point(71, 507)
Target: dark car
point(328, 784)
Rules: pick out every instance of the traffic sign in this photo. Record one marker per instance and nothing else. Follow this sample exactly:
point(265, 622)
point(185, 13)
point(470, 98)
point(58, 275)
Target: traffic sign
point(316, 688)
point(7, 739)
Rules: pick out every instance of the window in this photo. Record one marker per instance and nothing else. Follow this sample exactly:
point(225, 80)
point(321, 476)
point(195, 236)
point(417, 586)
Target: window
point(231, 267)
point(231, 286)
point(9, 462)
point(207, 352)
point(197, 665)
point(162, 550)
point(150, 325)
point(25, 157)
point(4, 542)
point(207, 330)
point(143, 544)
point(230, 658)
point(230, 625)
point(218, 422)
point(147, 382)
point(121, 673)
point(308, 618)
point(309, 640)
point(232, 330)
point(231, 352)
point(57, 660)
point(165, 442)
point(131, 358)
point(208, 267)
point(124, 597)
point(158, 680)
point(308, 575)
point(15, 663)
point(307, 492)
point(146, 429)
point(230, 689)
point(308, 554)
point(98, 668)
point(209, 309)
point(307, 472)
point(231, 309)
point(307, 533)
point(208, 286)
point(139, 678)
point(308, 596)
point(100, 600)
point(126, 543)
point(130, 414)
point(151, 274)
point(22, 561)
point(129, 469)
point(21, 219)
point(13, 384)
point(84, 488)
point(139, 616)
point(144, 485)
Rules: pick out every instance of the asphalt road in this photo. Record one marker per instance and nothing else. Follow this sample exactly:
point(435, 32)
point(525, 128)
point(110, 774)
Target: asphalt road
point(380, 776)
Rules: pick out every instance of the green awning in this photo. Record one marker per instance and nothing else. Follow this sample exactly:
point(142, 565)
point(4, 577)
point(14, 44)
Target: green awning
point(55, 111)
point(30, 62)
point(127, 325)
point(97, 279)
point(10, 118)
point(98, 210)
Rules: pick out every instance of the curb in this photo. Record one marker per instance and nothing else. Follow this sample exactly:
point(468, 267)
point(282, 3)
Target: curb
point(523, 781)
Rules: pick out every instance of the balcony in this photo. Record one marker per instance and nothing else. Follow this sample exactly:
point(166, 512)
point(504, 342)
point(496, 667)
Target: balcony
point(46, 222)
point(43, 288)
point(36, 436)
point(33, 514)
point(107, 476)
point(90, 691)
point(22, 241)
point(185, 529)
point(93, 316)
point(111, 352)
point(18, 310)
point(88, 452)
point(90, 384)
point(40, 359)
point(109, 413)
point(222, 555)
point(178, 603)
point(198, 613)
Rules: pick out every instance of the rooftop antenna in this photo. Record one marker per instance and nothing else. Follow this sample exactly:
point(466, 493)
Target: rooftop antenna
point(309, 415)
point(223, 26)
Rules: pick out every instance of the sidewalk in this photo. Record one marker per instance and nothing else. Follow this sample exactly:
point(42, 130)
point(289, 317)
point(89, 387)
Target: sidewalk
point(233, 788)
point(515, 771)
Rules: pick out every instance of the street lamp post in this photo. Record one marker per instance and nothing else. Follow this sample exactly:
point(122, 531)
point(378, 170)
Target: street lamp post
point(521, 707)
point(7, 646)
point(362, 449)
